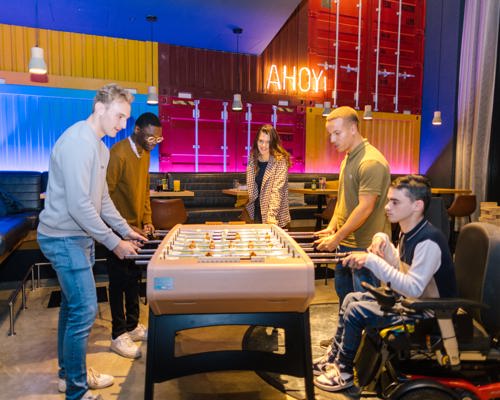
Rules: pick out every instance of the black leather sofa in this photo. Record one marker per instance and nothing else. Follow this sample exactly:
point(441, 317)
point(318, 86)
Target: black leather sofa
point(210, 204)
point(24, 186)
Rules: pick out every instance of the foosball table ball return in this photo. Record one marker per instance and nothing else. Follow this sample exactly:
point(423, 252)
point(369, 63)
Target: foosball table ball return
point(212, 275)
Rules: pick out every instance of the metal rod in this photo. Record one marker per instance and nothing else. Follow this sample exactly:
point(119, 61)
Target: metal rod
point(326, 260)
point(146, 251)
point(138, 257)
point(358, 68)
point(11, 319)
point(400, 12)
point(336, 54)
point(141, 262)
point(375, 96)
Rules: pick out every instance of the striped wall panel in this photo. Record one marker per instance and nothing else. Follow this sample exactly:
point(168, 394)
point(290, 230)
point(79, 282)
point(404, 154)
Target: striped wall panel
point(33, 118)
point(397, 136)
point(81, 56)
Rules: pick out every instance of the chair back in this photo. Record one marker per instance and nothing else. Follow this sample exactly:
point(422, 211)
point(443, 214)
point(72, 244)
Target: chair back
point(463, 205)
point(327, 213)
point(166, 213)
point(437, 216)
point(477, 267)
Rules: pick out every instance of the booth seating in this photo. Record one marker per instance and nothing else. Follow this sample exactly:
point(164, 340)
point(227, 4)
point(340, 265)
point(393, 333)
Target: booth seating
point(20, 206)
point(210, 204)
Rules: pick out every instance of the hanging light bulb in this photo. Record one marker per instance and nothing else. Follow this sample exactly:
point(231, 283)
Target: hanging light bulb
point(152, 95)
point(152, 91)
point(368, 112)
point(437, 118)
point(237, 104)
point(37, 63)
point(327, 108)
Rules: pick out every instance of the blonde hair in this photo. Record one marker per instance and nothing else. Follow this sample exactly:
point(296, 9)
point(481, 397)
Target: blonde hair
point(348, 114)
point(110, 92)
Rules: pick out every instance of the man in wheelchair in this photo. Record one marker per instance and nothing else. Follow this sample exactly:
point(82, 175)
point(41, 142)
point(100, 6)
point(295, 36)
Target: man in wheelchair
point(420, 266)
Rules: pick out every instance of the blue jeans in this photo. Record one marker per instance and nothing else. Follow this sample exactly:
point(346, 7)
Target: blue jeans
point(359, 311)
point(348, 280)
point(72, 258)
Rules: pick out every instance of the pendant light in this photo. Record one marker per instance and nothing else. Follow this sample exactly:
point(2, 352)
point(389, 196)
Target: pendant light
point(37, 63)
point(436, 120)
point(152, 91)
point(237, 104)
point(367, 114)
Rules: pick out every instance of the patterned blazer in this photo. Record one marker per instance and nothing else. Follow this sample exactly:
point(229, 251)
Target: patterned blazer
point(273, 192)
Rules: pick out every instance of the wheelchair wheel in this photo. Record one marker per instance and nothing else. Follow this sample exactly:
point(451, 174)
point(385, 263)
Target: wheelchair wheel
point(427, 394)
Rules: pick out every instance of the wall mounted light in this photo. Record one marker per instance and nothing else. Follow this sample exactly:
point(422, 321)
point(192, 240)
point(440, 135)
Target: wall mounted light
point(37, 63)
point(327, 108)
point(237, 105)
point(367, 114)
point(436, 120)
point(152, 91)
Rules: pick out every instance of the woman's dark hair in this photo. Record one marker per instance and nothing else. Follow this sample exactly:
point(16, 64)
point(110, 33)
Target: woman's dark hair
point(275, 147)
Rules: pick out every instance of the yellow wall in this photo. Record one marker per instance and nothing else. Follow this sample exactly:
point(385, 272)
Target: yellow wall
point(77, 60)
point(397, 136)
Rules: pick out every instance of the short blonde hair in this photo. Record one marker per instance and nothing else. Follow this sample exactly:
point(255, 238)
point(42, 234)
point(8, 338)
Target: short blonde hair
point(108, 93)
point(346, 113)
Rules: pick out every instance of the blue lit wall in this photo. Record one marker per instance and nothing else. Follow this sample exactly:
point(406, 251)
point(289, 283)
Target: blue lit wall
point(443, 32)
point(32, 118)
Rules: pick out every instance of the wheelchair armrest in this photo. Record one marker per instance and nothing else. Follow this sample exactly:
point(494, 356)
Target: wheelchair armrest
point(440, 304)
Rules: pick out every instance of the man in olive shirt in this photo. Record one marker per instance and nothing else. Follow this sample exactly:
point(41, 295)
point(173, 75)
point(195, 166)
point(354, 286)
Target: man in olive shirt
point(128, 183)
point(359, 213)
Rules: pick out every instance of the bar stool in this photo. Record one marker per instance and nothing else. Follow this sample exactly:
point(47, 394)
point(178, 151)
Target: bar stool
point(166, 213)
point(463, 206)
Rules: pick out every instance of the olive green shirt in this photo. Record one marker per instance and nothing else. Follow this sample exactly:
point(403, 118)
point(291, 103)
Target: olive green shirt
point(363, 171)
point(128, 183)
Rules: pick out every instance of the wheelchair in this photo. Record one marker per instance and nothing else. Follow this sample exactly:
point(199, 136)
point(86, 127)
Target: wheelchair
point(455, 354)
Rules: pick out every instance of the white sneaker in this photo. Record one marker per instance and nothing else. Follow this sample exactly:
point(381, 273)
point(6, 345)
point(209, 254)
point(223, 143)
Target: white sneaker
point(139, 333)
point(95, 380)
point(91, 396)
point(124, 346)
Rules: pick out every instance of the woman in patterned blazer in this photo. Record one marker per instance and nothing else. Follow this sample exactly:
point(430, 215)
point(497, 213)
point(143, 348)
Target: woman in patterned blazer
point(267, 179)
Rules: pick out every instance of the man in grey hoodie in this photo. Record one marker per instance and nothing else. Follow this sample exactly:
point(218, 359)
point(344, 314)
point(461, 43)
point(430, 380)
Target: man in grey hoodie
point(78, 210)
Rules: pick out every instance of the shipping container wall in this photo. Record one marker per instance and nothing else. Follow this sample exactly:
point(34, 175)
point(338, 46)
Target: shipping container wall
point(32, 119)
point(207, 136)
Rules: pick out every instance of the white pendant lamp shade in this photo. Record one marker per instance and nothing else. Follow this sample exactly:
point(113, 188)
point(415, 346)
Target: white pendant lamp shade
point(327, 108)
point(152, 95)
point(237, 104)
point(37, 63)
point(368, 112)
point(437, 118)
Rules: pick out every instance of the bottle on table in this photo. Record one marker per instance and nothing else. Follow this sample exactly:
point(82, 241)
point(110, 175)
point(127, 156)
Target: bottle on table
point(314, 185)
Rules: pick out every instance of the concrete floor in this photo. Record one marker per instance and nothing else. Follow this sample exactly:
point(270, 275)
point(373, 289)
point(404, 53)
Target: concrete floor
point(28, 360)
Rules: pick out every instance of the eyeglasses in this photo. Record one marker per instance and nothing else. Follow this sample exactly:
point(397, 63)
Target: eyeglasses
point(154, 139)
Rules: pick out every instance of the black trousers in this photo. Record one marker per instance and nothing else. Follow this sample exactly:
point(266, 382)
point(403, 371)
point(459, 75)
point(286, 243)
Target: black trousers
point(124, 282)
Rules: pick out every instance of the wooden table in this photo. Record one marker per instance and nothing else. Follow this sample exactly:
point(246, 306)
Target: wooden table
point(321, 195)
point(440, 191)
point(180, 193)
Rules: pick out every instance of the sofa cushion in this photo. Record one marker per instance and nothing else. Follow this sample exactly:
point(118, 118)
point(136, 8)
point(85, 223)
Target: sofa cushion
point(9, 204)
point(296, 199)
point(13, 228)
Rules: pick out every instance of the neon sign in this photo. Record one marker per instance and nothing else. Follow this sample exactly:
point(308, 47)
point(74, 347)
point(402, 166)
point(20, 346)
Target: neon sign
point(304, 80)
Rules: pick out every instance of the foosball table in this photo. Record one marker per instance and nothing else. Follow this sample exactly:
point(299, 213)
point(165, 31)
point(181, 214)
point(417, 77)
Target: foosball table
point(209, 275)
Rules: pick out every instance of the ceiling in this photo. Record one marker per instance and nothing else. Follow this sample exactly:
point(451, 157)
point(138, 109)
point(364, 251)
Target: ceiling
point(204, 24)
